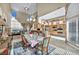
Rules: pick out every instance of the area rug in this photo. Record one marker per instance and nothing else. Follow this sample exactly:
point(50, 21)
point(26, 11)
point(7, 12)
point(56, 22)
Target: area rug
point(29, 51)
point(51, 48)
point(18, 44)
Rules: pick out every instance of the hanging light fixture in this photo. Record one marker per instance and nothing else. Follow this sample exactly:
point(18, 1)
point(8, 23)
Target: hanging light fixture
point(26, 9)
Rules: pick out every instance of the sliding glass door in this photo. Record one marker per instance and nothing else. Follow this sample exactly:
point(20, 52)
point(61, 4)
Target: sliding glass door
point(78, 30)
point(73, 30)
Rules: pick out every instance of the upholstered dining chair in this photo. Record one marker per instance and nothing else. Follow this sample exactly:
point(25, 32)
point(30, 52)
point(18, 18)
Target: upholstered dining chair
point(35, 35)
point(44, 46)
point(25, 38)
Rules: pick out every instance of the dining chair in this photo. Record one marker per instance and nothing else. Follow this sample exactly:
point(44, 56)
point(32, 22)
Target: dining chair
point(5, 51)
point(40, 34)
point(44, 46)
point(35, 35)
point(25, 40)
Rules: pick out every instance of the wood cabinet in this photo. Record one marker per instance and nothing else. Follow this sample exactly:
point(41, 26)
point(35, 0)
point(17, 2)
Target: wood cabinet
point(58, 27)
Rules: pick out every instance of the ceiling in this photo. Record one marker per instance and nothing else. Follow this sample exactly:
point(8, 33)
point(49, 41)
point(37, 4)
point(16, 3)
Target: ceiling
point(45, 8)
point(42, 8)
point(31, 7)
point(57, 13)
point(20, 6)
point(34, 9)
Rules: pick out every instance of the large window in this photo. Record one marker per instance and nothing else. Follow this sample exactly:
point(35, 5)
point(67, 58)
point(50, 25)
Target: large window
point(78, 30)
point(73, 30)
point(73, 23)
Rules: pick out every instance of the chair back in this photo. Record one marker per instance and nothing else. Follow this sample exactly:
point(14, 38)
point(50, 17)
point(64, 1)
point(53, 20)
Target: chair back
point(46, 41)
point(40, 34)
point(45, 44)
point(35, 35)
point(27, 36)
point(43, 47)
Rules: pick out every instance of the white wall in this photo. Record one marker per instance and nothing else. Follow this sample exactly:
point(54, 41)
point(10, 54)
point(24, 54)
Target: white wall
point(73, 10)
point(0, 12)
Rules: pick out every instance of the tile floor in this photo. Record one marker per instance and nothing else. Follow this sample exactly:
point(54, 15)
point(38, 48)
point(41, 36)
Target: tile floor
point(61, 48)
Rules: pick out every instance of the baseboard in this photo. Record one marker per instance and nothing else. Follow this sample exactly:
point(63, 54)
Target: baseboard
point(59, 38)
